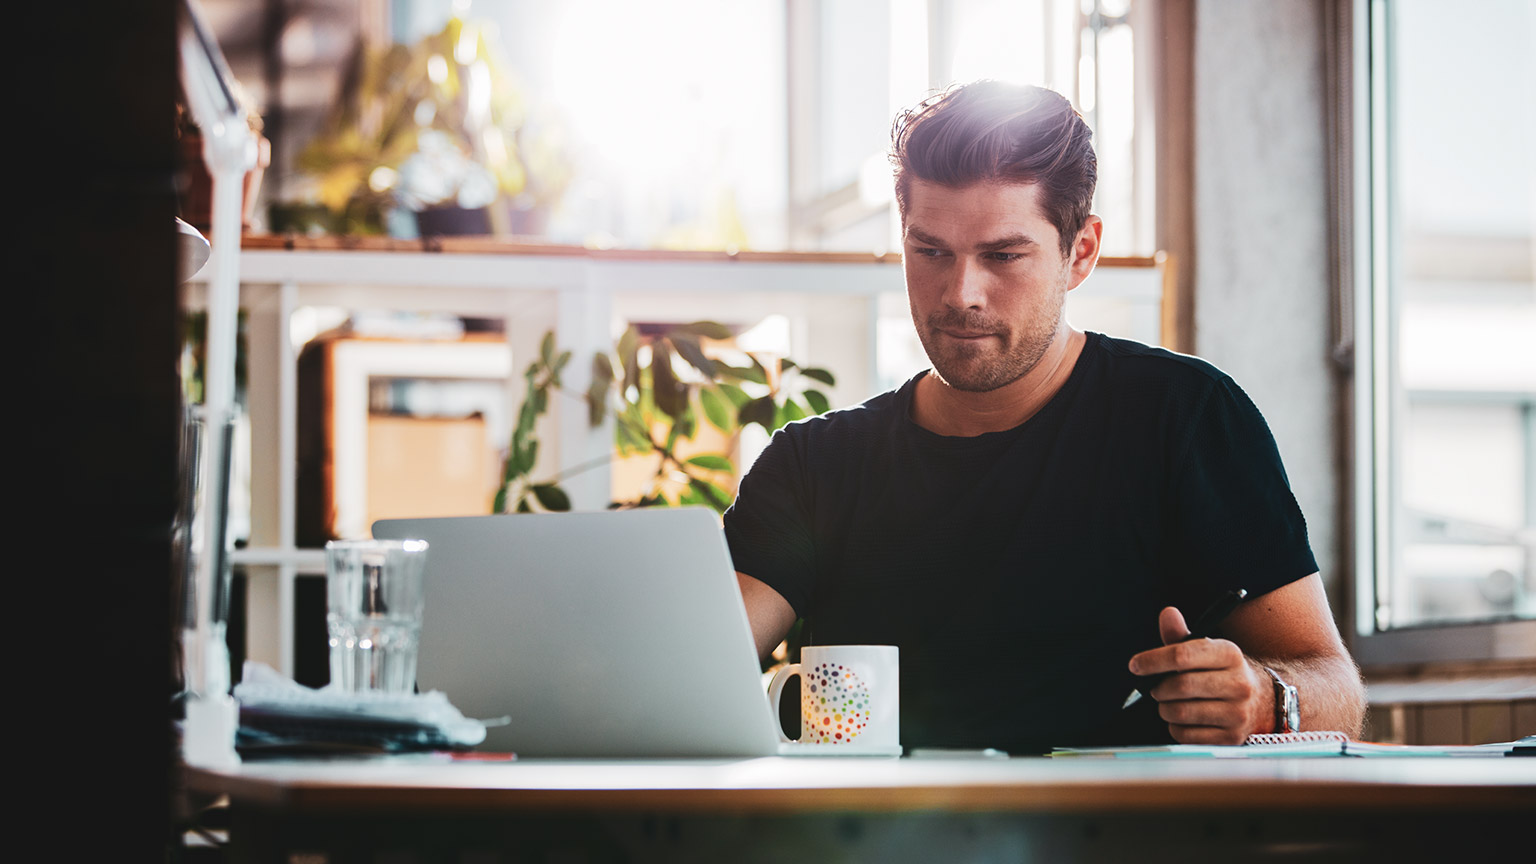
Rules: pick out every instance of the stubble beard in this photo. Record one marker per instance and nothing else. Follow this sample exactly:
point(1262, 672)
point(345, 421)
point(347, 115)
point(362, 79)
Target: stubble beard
point(981, 367)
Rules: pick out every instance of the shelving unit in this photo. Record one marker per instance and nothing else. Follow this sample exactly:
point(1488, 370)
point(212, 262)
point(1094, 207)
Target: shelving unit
point(832, 301)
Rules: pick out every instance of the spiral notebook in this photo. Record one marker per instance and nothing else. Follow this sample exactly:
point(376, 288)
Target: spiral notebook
point(1294, 744)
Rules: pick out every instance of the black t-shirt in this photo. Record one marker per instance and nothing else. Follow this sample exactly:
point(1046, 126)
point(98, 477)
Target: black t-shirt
point(1018, 571)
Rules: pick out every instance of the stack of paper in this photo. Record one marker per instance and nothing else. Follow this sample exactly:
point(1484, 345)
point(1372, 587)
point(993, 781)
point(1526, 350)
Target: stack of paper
point(280, 716)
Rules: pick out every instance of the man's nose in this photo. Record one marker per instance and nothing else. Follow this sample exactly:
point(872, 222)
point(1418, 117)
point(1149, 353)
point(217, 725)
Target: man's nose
point(966, 288)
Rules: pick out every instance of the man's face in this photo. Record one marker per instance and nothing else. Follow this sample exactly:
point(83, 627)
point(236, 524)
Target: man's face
point(986, 279)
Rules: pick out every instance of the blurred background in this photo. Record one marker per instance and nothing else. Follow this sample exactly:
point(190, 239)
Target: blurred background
point(682, 124)
point(763, 125)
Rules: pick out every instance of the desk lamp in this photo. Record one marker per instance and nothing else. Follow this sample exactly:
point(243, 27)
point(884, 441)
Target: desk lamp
point(229, 149)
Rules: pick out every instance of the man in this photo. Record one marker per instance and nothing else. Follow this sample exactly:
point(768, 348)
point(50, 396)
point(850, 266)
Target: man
point(1031, 519)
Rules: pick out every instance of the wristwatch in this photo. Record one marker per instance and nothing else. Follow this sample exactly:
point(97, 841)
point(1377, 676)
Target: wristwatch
point(1287, 706)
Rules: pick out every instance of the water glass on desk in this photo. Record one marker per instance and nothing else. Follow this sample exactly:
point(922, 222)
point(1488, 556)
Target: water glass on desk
point(373, 612)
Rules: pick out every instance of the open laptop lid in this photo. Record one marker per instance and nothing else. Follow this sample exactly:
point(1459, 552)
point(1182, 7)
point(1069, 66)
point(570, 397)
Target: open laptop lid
point(607, 634)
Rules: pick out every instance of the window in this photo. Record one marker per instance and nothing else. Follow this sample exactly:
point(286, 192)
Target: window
point(764, 124)
point(1446, 335)
point(855, 64)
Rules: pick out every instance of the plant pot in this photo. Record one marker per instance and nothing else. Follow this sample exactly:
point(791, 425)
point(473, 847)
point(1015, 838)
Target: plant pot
point(453, 222)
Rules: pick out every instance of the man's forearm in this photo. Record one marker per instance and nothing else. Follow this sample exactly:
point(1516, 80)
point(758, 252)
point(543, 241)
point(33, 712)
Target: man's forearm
point(1329, 688)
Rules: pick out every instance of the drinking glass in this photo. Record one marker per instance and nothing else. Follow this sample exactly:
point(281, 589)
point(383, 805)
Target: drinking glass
point(373, 612)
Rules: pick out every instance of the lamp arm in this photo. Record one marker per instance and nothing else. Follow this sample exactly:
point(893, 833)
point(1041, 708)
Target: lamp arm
point(229, 149)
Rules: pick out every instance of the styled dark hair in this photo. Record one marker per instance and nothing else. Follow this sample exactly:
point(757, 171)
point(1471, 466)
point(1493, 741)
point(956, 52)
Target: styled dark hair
point(991, 131)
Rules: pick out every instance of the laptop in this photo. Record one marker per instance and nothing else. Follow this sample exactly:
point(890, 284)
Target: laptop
point(608, 634)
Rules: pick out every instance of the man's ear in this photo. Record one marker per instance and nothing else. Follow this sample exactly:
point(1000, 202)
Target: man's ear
point(1085, 251)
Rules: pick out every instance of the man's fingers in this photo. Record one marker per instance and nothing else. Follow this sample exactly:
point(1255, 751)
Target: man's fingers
point(1188, 656)
point(1170, 623)
point(1207, 735)
point(1205, 684)
point(1204, 712)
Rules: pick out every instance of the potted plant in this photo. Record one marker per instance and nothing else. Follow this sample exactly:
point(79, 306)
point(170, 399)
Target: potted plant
point(660, 387)
point(438, 129)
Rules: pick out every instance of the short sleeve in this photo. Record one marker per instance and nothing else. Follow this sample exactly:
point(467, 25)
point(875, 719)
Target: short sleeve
point(768, 526)
point(1234, 520)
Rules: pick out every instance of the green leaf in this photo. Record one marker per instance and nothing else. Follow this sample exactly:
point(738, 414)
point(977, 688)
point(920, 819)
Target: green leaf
point(530, 457)
point(639, 419)
point(817, 400)
point(713, 462)
point(736, 395)
point(629, 357)
point(689, 348)
point(552, 497)
point(564, 358)
point(670, 395)
point(687, 425)
point(597, 403)
point(716, 409)
point(527, 415)
point(716, 497)
point(602, 368)
point(759, 411)
point(819, 374)
point(683, 427)
point(547, 348)
point(756, 374)
point(509, 466)
point(791, 411)
point(706, 329)
point(499, 505)
point(787, 364)
point(597, 391)
point(627, 438)
point(515, 459)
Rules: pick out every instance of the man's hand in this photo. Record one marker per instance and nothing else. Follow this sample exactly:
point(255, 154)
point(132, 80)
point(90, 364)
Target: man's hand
point(1214, 695)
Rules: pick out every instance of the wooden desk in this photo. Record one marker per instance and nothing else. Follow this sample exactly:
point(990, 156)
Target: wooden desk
point(876, 810)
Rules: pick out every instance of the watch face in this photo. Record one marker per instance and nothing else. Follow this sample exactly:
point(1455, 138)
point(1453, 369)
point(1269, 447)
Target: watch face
point(1292, 710)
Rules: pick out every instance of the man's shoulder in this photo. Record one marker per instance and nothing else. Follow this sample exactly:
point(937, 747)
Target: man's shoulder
point(1150, 375)
point(1130, 358)
point(876, 412)
point(1167, 384)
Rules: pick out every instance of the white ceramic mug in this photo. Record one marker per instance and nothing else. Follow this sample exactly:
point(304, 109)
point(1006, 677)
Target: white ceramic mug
point(849, 696)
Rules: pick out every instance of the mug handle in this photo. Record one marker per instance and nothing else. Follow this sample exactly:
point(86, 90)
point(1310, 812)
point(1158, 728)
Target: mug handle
point(775, 691)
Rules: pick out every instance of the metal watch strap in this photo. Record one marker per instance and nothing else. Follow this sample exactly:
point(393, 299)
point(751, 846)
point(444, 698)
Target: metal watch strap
point(1287, 709)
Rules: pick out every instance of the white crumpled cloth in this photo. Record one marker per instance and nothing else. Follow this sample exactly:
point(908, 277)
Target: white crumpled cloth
point(266, 688)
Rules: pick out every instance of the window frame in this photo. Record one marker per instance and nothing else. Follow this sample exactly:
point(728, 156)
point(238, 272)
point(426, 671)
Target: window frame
point(1366, 145)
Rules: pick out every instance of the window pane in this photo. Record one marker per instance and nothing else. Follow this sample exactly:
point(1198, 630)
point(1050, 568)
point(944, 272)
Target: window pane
point(1460, 327)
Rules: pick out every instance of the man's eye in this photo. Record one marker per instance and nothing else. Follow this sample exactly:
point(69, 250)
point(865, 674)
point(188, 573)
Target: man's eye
point(1006, 257)
point(928, 252)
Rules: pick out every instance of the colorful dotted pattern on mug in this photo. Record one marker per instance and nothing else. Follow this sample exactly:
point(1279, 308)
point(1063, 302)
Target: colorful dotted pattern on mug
point(835, 705)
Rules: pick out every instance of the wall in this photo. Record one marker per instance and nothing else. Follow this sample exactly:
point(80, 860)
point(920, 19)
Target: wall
point(1261, 234)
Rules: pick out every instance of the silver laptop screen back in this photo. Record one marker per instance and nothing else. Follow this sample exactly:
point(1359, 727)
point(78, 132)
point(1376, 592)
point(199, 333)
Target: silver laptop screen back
point(606, 634)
